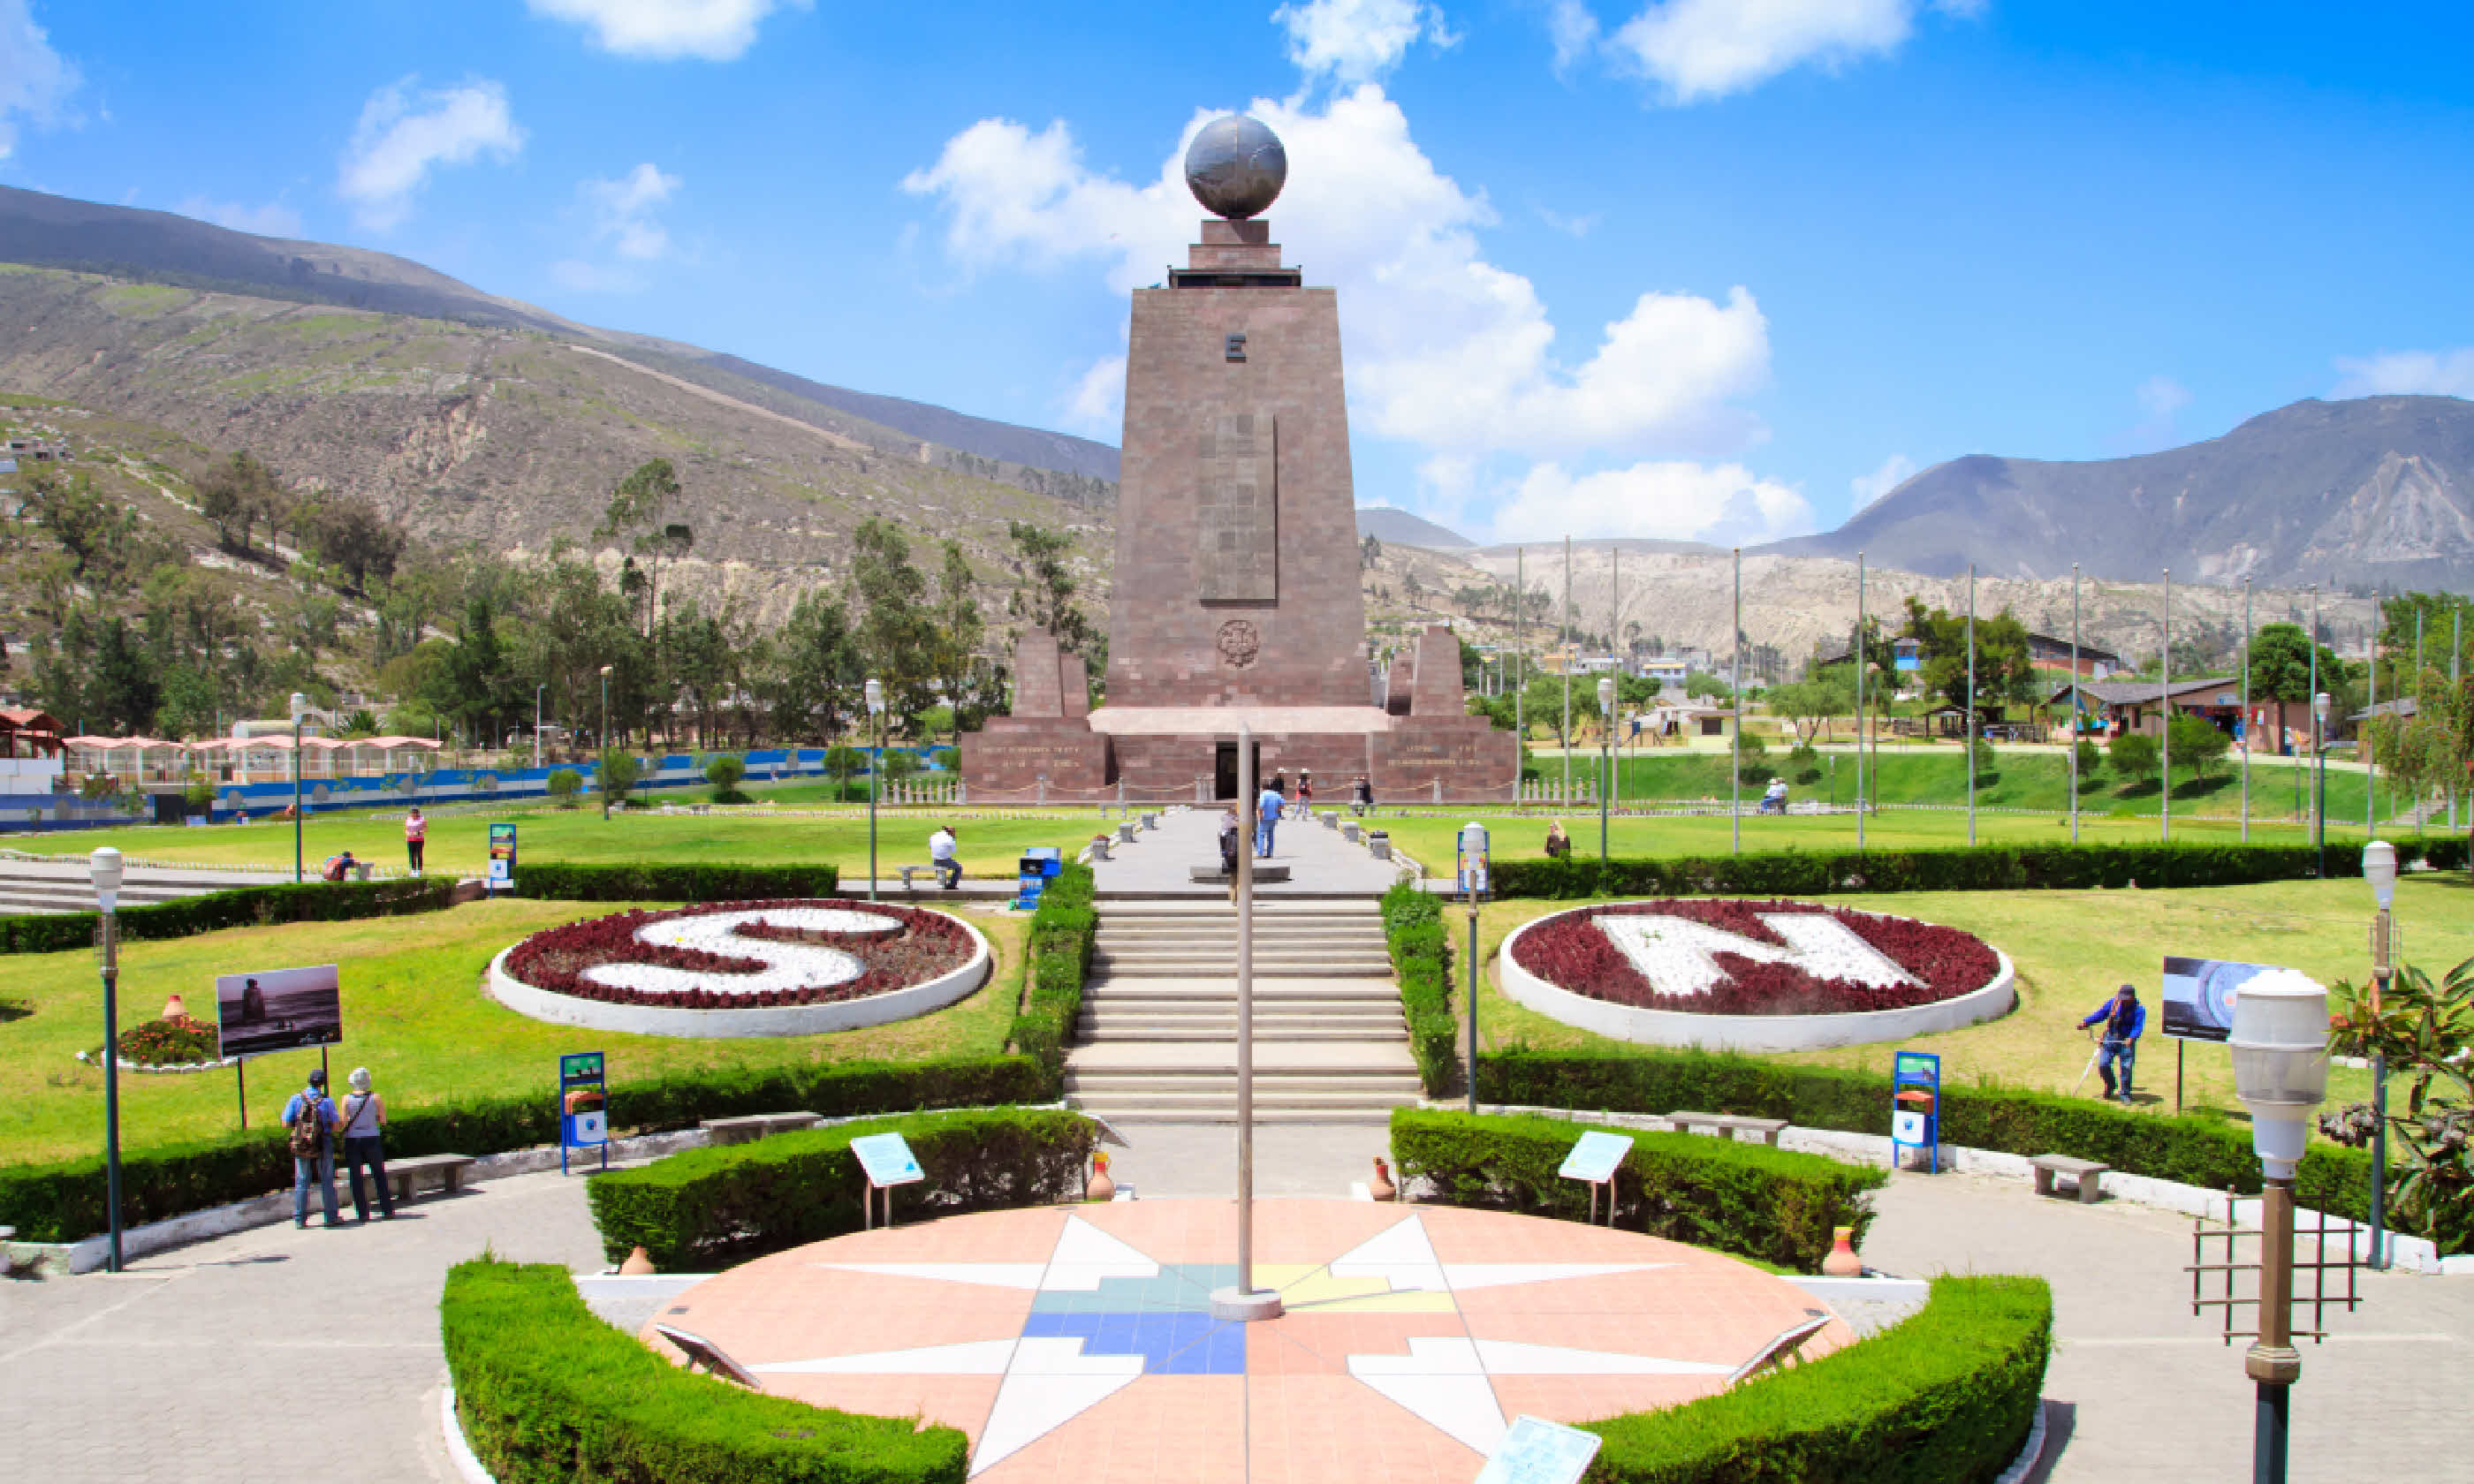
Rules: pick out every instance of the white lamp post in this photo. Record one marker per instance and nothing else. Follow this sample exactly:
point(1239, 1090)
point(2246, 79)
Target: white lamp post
point(2380, 868)
point(300, 708)
point(2280, 1051)
point(875, 771)
point(105, 868)
point(2320, 806)
point(1472, 874)
point(605, 743)
point(1606, 762)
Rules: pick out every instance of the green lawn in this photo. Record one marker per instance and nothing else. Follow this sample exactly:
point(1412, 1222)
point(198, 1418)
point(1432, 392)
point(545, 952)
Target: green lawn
point(2072, 950)
point(415, 1013)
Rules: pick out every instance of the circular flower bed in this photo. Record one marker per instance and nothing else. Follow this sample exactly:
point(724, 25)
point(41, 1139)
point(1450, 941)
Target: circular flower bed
point(716, 969)
point(1706, 972)
point(174, 1044)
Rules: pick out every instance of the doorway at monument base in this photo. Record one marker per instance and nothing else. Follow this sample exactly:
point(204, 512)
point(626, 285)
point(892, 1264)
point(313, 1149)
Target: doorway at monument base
point(1187, 755)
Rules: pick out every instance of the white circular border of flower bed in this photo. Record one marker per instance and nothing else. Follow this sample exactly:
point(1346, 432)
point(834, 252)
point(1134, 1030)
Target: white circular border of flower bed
point(755, 1021)
point(1749, 1033)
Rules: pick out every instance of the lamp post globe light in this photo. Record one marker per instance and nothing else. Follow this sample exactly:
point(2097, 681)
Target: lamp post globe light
point(2319, 784)
point(605, 740)
point(2380, 870)
point(1605, 760)
point(103, 867)
point(2280, 1054)
point(299, 708)
point(875, 690)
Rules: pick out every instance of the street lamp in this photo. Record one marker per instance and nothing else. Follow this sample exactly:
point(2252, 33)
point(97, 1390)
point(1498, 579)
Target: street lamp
point(604, 767)
point(300, 708)
point(874, 771)
point(105, 868)
point(1606, 762)
point(1472, 882)
point(537, 695)
point(2320, 787)
point(2280, 1051)
point(2380, 867)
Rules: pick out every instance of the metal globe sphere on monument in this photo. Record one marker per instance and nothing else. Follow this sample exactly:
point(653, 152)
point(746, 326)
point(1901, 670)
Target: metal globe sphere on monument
point(1236, 167)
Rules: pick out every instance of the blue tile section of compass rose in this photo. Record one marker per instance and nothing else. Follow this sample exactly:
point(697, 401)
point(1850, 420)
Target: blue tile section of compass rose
point(1166, 1319)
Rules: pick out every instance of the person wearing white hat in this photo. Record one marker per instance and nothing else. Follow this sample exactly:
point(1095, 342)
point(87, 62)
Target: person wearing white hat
point(361, 1119)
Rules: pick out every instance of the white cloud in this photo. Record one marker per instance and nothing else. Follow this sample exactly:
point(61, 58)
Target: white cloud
point(1724, 504)
point(401, 136)
point(1574, 29)
point(1697, 50)
point(2161, 397)
point(588, 278)
point(1446, 348)
point(624, 212)
point(2393, 373)
point(666, 29)
point(36, 81)
point(1893, 472)
point(1097, 405)
point(1357, 40)
point(1569, 225)
point(272, 220)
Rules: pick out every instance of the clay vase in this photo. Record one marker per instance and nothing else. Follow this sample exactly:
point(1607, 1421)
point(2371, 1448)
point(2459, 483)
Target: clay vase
point(638, 1263)
point(174, 1007)
point(1842, 1262)
point(1101, 1187)
point(1381, 1187)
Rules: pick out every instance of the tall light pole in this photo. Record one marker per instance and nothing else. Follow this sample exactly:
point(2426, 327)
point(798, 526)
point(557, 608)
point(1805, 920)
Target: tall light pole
point(605, 767)
point(2251, 724)
point(300, 708)
point(875, 690)
point(1864, 661)
point(1520, 648)
point(2164, 700)
point(2320, 787)
point(537, 700)
point(2075, 704)
point(2380, 870)
point(1472, 845)
point(1735, 733)
point(1241, 1301)
point(1571, 647)
point(105, 869)
point(1606, 765)
point(2280, 1054)
point(1970, 702)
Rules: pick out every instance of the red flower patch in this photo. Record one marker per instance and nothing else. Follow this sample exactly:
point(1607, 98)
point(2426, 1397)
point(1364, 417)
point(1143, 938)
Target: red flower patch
point(925, 946)
point(1570, 952)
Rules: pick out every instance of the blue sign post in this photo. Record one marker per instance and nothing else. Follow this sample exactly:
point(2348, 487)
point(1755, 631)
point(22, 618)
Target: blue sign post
point(583, 1107)
point(1039, 863)
point(502, 859)
point(1915, 1107)
point(886, 1161)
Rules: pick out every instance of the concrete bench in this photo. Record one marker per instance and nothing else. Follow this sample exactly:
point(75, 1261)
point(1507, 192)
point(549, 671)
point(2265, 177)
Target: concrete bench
point(446, 1171)
point(748, 1128)
point(908, 871)
point(1262, 872)
point(2087, 1172)
point(1729, 1125)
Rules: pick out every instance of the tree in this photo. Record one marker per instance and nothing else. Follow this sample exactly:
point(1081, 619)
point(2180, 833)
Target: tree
point(723, 771)
point(2090, 758)
point(813, 671)
point(1698, 683)
point(2280, 665)
point(1046, 600)
point(563, 783)
point(1983, 761)
point(638, 509)
point(239, 495)
point(2133, 756)
point(1808, 704)
point(617, 775)
point(2197, 743)
point(1370, 551)
point(953, 657)
point(2004, 670)
point(352, 535)
point(896, 634)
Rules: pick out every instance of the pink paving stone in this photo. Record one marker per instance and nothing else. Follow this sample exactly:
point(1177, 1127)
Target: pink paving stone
point(1162, 1427)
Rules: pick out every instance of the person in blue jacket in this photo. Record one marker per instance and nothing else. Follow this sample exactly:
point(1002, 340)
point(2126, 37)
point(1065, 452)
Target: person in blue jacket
point(2124, 1018)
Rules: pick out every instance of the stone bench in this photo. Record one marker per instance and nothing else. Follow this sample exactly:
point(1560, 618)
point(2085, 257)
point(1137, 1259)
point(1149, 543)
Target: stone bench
point(748, 1128)
point(1728, 1125)
point(444, 1171)
point(2087, 1172)
point(1214, 873)
point(908, 871)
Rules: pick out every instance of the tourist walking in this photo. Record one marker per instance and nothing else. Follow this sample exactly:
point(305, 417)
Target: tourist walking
point(360, 1125)
point(1362, 797)
point(1305, 795)
point(310, 1116)
point(1559, 845)
point(416, 834)
point(2123, 1018)
point(940, 855)
point(1229, 839)
point(1266, 818)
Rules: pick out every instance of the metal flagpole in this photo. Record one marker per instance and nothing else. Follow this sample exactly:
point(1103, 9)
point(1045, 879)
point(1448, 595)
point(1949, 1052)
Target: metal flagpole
point(2370, 722)
point(2251, 724)
point(1243, 1301)
point(2317, 762)
point(1520, 645)
point(1863, 658)
point(1970, 702)
point(1615, 636)
point(2075, 706)
point(1736, 741)
point(2164, 700)
point(2456, 652)
point(2417, 713)
point(1568, 648)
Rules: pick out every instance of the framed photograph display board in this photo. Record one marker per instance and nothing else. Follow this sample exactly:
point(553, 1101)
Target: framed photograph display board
point(279, 1010)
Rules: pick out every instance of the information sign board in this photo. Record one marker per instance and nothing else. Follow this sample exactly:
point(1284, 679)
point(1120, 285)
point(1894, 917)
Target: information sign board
point(1537, 1451)
point(888, 1159)
point(583, 1106)
point(1596, 1157)
point(502, 857)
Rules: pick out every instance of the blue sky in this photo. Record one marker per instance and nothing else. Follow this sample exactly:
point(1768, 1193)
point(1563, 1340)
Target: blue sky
point(1690, 268)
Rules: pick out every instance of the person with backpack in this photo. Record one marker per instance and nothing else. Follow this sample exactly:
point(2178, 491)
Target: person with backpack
point(311, 1117)
point(360, 1125)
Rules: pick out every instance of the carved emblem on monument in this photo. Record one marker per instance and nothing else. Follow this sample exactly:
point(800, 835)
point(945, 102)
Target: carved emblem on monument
point(1240, 641)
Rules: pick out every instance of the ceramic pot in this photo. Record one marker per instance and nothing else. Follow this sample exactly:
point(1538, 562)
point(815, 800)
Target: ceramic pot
point(1842, 1262)
point(174, 1007)
point(1100, 1187)
point(1381, 1187)
point(636, 1264)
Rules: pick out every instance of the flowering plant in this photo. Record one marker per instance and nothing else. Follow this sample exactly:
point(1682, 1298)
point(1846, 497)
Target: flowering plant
point(174, 1041)
point(919, 946)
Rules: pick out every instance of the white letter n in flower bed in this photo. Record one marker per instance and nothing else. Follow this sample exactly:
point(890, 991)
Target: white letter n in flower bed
point(1679, 955)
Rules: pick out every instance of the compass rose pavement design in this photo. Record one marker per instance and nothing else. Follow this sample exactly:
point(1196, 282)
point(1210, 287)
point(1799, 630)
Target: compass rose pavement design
point(1076, 1343)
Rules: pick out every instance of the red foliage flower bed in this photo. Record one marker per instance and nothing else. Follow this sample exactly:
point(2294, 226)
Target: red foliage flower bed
point(1570, 952)
point(925, 946)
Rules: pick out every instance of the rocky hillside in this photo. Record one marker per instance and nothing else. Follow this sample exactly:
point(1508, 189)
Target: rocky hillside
point(2377, 490)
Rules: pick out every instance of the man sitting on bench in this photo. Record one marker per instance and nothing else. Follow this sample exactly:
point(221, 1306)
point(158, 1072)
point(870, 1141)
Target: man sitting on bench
point(940, 855)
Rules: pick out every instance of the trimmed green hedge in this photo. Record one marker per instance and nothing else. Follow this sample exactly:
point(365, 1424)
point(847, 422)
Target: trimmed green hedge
point(1057, 950)
point(564, 881)
point(549, 1394)
point(1948, 1397)
point(63, 1202)
point(700, 1208)
point(246, 906)
point(1421, 961)
point(1957, 869)
point(2191, 1148)
point(1751, 1200)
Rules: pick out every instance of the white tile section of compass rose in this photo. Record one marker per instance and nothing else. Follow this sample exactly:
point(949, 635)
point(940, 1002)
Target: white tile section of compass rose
point(1676, 955)
point(787, 965)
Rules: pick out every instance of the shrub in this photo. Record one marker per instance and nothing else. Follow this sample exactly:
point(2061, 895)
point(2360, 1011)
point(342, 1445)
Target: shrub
point(547, 1391)
point(1058, 952)
point(2091, 760)
point(1946, 1398)
point(564, 784)
point(564, 881)
point(1751, 1200)
point(1987, 764)
point(2197, 744)
point(2133, 756)
point(723, 771)
point(617, 773)
point(694, 1209)
point(248, 906)
point(1412, 925)
point(174, 1041)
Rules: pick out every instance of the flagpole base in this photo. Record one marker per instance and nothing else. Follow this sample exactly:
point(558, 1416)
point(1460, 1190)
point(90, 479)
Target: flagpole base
point(1229, 1304)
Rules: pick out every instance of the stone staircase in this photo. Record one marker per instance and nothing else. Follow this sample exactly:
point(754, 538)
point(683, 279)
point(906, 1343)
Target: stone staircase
point(1158, 1039)
point(46, 886)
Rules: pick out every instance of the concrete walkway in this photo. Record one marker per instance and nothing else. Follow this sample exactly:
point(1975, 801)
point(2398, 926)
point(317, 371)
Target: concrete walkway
point(185, 1368)
point(1159, 861)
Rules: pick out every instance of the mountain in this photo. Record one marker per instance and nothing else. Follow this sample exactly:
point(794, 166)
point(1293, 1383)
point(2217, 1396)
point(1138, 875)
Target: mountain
point(158, 247)
point(1397, 527)
point(2350, 493)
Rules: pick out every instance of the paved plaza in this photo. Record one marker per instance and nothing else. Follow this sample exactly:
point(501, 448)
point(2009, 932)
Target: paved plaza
point(187, 1367)
point(1159, 862)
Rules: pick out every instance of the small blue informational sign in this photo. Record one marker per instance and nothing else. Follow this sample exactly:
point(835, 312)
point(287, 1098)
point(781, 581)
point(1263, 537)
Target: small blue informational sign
point(1596, 1157)
point(583, 1106)
point(1915, 1106)
point(1537, 1451)
point(502, 858)
point(888, 1159)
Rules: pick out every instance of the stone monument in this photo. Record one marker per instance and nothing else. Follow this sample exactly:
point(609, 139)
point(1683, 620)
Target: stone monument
point(1236, 588)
